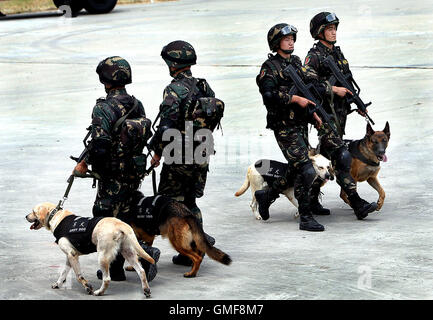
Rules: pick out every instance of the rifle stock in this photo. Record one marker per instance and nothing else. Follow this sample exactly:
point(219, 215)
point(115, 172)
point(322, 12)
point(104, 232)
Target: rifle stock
point(346, 81)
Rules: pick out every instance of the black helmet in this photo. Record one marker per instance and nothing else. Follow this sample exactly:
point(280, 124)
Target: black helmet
point(179, 54)
point(277, 32)
point(320, 21)
point(115, 71)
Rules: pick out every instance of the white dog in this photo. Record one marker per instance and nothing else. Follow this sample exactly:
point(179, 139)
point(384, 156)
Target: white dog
point(107, 236)
point(274, 169)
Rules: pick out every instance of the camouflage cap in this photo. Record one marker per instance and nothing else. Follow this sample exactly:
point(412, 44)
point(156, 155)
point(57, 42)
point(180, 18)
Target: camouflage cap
point(114, 70)
point(179, 54)
point(320, 21)
point(277, 32)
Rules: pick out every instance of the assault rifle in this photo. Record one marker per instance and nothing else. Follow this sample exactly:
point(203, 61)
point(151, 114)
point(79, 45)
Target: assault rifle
point(304, 89)
point(347, 81)
point(83, 156)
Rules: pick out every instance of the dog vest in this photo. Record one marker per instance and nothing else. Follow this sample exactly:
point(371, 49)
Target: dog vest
point(148, 214)
point(271, 170)
point(78, 230)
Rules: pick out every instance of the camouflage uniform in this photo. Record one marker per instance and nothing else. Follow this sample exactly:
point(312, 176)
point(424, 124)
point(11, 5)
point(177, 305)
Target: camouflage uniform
point(181, 181)
point(119, 175)
point(331, 145)
point(119, 133)
point(288, 121)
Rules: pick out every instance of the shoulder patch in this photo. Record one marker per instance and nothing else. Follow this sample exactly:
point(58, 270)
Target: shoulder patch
point(262, 73)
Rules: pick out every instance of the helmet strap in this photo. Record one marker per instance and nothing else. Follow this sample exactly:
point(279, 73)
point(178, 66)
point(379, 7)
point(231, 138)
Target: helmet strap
point(288, 51)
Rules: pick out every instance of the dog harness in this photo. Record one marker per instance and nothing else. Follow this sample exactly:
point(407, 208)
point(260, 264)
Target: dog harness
point(148, 214)
point(354, 151)
point(272, 170)
point(78, 230)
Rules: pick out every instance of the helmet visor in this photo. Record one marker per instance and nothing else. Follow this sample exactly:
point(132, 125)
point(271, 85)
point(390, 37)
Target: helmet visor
point(289, 29)
point(331, 18)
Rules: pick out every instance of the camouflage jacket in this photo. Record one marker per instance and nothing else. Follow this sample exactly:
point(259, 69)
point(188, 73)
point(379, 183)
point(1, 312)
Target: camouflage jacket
point(281, 112)
point(314, 64)
point(175, 104)
point(105, 146)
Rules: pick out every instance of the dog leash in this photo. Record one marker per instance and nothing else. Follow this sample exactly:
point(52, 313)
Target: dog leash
point(62, 201)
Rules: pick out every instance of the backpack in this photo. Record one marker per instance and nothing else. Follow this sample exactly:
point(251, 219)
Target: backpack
point(132, 135)
point(205, 112)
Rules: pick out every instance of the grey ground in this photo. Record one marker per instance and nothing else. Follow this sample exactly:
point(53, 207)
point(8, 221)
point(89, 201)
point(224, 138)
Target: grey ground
point(49, 86)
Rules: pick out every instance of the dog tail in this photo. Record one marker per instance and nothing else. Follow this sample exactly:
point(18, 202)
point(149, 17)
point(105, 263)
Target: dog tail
point(245, 186)
point(132, 239)
point(201, 242)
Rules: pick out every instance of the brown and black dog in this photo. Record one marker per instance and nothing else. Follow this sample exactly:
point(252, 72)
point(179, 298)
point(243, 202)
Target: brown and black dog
point(161, 215)
point(367, 154)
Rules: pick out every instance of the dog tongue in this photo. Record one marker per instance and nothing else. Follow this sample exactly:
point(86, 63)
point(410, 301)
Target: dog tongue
point(385, 159)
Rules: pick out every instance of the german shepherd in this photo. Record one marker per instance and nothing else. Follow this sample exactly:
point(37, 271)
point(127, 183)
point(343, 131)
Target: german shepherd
point(161, 215)
point(367, 154)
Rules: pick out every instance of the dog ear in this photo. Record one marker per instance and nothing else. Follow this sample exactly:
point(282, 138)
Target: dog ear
point(387, 131)
point(369, 130)
point(312, 152)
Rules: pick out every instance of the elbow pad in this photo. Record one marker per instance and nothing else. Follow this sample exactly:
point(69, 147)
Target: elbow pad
point(268, 98)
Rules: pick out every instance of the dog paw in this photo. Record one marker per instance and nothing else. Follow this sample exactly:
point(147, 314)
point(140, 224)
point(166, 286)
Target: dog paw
point(129, 268)
point(97, 293)
point(55, 286)
point(89, 289)
point(189, 275)
point(258, 217)
point(147, 292)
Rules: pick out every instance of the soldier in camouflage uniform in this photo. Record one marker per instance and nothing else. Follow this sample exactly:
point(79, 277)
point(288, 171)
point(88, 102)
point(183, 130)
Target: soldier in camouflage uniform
point(119, 166)
point(288, 116)
point(181, 181)
point(323, 27)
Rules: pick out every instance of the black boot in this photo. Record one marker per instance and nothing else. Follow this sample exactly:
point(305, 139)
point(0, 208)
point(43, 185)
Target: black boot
point(182, 260)
point(315, 205)
point(361, 207)
point(149, 269)
point(307, 222)
point(117, 273)
point(265, 198)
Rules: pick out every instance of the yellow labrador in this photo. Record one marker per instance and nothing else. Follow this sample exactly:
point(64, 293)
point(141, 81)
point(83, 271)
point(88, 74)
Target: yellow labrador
point(77, 236)
point(263, 172)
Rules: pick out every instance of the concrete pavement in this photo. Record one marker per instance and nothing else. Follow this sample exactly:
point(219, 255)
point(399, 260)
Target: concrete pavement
point(49, 86)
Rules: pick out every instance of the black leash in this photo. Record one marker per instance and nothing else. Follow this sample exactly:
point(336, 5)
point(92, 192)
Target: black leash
point(62, 201)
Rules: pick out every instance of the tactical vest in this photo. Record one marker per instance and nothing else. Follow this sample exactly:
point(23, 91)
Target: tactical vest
point(283, 115)
point(78, 230)
point(130, 134)
point(341, 107)
point(338, 56)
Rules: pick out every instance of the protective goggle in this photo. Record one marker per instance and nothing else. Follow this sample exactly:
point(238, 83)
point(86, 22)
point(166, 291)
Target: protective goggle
point(288, 30)
point(331, 17)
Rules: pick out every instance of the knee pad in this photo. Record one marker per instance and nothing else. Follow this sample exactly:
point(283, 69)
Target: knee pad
point(343, 159)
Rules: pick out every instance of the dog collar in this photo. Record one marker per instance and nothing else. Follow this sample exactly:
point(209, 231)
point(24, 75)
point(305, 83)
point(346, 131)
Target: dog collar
point(356, 153)
point(51, 215)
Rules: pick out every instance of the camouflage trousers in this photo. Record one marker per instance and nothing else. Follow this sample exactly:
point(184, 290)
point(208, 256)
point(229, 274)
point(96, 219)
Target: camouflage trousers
point(185, 183)
point(293, 142)
point(332, 146)
point(113, 197)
